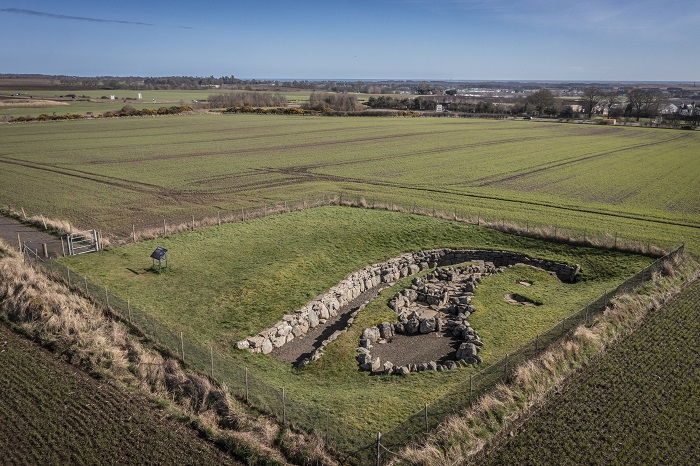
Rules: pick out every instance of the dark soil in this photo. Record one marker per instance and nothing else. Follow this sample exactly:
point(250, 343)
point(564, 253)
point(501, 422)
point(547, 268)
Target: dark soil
point(417, 349)
point(53, 413)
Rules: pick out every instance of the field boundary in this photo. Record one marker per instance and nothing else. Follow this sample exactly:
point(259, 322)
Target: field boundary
point(652, 247)
point(352, 445)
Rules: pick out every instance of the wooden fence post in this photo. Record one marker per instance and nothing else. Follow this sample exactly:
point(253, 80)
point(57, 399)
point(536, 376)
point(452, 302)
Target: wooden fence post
point(426, 417)
point(470, 389)
point(562, 326)
point(379, 454)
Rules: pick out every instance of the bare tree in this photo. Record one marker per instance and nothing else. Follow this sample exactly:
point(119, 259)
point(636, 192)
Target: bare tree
point(635, 100)
point(592, 96)
point(611, 98)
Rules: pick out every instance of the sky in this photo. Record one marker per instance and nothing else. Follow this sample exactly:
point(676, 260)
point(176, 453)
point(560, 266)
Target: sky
point(549, 40)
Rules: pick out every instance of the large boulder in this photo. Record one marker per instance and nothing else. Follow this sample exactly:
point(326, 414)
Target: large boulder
point(386, 330)
point(313, 319)
point(412, 326)
point(427, 325)
point(466, 350)
point(372, 334)
point(266, 346)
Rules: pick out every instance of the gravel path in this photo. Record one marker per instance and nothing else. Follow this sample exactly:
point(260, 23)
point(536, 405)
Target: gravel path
point(300, 348)
point(31, 237)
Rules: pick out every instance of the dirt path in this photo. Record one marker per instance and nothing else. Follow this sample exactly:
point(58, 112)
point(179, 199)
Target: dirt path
point(300, 348)
point(31, 237)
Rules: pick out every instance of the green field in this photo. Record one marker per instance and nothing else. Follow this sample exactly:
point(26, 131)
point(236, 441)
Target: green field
point(638, 404)
point(230, 282)
point(635, 182)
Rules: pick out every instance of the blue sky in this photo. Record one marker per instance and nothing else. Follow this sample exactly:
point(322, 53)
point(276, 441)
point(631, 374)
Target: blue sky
point(585, 40)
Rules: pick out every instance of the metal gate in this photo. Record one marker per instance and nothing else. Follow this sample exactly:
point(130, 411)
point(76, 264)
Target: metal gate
point(83, 242)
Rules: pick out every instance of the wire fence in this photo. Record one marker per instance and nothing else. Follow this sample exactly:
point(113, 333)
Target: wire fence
point(529, 227)
point(350, 443)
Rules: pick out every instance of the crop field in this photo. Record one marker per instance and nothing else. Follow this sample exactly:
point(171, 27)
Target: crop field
point(638, 404)
point(231, 281)
point(637, 183)
point(55, 414)
point(56, 102)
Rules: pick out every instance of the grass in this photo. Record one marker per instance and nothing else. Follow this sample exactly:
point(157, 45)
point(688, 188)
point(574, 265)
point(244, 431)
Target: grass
point(550, 398)
point(232, 281)
point(634, 182)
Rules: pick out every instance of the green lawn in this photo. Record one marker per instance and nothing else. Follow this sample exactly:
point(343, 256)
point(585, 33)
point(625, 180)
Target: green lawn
point(232, 281)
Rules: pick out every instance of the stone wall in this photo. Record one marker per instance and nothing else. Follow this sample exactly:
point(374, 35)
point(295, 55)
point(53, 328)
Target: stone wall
point(327, 305)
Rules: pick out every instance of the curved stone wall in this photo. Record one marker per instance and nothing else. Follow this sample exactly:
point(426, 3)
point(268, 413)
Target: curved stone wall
point(318, 311)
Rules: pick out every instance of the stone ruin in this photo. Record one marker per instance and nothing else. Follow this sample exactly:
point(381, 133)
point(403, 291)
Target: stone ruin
point(438, 302)
point(297, 323)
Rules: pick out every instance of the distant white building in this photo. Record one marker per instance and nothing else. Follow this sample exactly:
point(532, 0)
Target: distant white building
point(669, 109)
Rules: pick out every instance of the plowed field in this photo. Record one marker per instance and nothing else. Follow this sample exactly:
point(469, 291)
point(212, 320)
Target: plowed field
point(638, 404)
point(52, 413)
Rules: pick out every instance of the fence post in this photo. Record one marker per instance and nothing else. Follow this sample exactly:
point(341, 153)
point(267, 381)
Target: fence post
point(46, 249)
point(379, 457)
point(562, 326)
point(106, 293)
point(19, 242)
point(63, 246)
point(192, 222)
point(426, 417)
point(43, 220)
point(605, 299)
point(470, 389)
point(182, 347)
